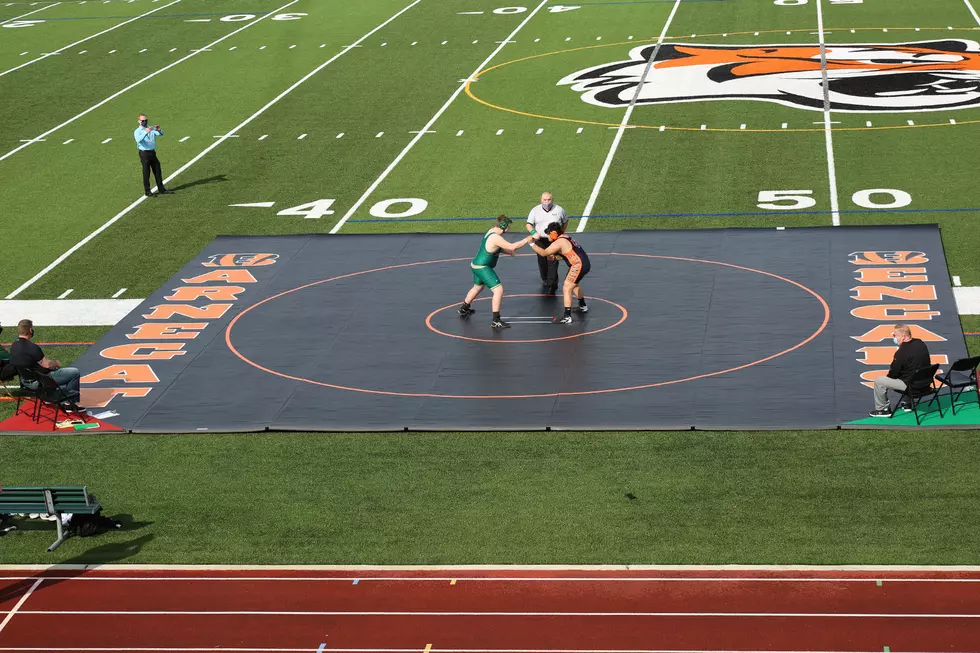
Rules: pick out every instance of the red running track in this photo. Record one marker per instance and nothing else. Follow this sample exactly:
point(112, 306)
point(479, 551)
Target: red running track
point(456, 611)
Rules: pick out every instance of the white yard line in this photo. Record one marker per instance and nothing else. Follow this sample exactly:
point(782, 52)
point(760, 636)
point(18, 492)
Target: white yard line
point(150, 76)
point(584, 220)
point(377, 182)
point(972, 11)
point(67, 312)
point(827, 120)
point(23, 599)
point(58, 261)
point(87, 38)
point(10, 20)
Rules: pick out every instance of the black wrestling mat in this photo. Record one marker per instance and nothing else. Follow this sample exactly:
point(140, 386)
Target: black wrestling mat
point(708, 329)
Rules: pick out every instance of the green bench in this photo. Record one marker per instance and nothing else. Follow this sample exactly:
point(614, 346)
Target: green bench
point(74, 500)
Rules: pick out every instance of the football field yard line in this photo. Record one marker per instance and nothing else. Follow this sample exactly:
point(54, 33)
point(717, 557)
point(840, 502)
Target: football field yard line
point(384, 175)
point(58, 261)
point(827, 129)
point(150, 76)
point(973, 11)
point(87, 38)
point(622, 126)
point(10, 20)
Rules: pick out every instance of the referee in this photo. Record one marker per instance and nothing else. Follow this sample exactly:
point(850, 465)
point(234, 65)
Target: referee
point(146, 142)
point(538, 220)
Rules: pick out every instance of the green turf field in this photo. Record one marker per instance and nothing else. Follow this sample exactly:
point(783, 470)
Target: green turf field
point(327, 111)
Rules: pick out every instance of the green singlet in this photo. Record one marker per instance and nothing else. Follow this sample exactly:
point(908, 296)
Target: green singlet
point(483, 264)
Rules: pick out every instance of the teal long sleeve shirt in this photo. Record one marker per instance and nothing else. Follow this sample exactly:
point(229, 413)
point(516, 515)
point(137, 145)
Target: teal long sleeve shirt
point(147, 140)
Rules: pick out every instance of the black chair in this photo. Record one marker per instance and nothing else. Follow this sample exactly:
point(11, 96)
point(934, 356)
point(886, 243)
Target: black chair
point(965, 370)
point(46, 393)
point(7, 373)
point(920, 387)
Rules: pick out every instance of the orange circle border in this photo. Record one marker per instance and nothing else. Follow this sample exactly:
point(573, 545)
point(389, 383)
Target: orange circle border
point(810, 338)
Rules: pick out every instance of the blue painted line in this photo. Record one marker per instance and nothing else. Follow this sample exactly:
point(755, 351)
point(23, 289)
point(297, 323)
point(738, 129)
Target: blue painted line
point(357, 580)
point(742, 214)
point(322, 646)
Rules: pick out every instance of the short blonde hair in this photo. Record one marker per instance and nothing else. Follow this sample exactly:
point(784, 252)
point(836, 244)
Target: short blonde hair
point(904, 329)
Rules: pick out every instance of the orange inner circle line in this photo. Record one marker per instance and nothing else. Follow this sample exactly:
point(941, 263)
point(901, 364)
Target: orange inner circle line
point(428, 323)
point(473, 96)
point(820, 329)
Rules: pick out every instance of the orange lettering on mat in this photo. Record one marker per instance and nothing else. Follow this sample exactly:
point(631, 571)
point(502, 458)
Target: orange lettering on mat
point(895, 312)
point(156, 351)
point(878, 293)
point(100, 397)
point(883, 332)
point(888, 258)
point(125, 373)
point(212, 293)
point(236, 275)
point(167, 311)
point(888, 275)
point(168, 331)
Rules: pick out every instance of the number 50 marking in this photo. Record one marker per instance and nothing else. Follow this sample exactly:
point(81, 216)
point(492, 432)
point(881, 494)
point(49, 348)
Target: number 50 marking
point(797, 200)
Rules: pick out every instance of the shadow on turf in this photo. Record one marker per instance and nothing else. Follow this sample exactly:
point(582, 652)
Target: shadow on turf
point(95, 556)
point(199, 182)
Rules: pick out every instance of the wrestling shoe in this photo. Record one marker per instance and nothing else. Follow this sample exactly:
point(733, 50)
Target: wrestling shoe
point(582, 309)
point(881, 413)
point(465, 312)
point(499, 324)
point(565, 320)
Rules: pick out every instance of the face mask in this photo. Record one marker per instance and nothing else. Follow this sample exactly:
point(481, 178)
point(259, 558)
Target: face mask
point(143, 123)
point(895, 340)
point(547, 206)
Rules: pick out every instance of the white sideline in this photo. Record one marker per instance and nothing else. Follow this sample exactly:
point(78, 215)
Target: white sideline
point(67, 312)
point(452, 568)
point(972, 11)
point(87, 38)
point(140, 81)
point(10, 20)
point(967, 300)
point(827, 121)
point(432, 613)
point(432, 121)
point(203, 152)
point(584, 220)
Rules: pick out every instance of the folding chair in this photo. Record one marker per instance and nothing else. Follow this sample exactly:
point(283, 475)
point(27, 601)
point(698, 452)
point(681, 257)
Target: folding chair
point(47, 393)
point(920, 387)
point(966, 377)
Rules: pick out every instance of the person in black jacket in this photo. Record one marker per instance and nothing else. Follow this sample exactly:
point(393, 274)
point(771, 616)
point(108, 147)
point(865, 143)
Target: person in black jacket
point(911, 355)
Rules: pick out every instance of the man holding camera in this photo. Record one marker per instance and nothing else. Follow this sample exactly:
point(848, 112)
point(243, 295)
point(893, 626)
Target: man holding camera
point(146, 142)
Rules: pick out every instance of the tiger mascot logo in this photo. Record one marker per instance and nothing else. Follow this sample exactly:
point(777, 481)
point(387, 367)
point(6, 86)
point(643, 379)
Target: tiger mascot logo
point(881, 77)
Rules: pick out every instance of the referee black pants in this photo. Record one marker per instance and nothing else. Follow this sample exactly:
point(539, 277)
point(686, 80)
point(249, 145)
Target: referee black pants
point(547, 269)
point(150, 162)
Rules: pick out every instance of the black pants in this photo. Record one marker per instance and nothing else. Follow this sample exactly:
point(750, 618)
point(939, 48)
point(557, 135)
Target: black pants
point(150, 162)
point(547, 269)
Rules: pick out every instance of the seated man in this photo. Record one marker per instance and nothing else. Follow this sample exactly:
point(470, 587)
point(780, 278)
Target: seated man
point(912, 354)
point(24, 354)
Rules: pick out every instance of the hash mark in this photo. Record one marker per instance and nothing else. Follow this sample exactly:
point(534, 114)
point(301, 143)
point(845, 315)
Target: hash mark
point(292, 46)
point(704, 127)
point(598, 38)
point(173, 49)
point(142, 51)
point(380, 134)
point(579, 130)
point(183, 139)
point(785, 125)
point(499, 132)
point(415, 42)
point(384, 44)
point(301, 137)
point(540, 131)
point(263, 137)
point(113, 51)
point(68, 141)
point(663, 128)
point(340, 135)
point(263, 47)
point(910, 122)
point(66, 293)
point(952, 122)
point(459, 133)
point(476, 41)
point(569, 38)
point(444, 42)
point(107, 140)
point(234, 47)
point(119, 293)
point(742, 126)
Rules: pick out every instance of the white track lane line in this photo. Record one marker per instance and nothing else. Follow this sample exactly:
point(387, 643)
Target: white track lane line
point(87, 38)
point(150, 76)
point(10, 20)
point(58, 261)
point(23, 599)
point(972, 11)
point(432, 121)
point(77, 649)
point(433, 613)
point(827, 120)
point(584, 220)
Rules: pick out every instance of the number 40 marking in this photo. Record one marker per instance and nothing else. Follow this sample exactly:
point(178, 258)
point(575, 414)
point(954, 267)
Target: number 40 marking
point(383, 209)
